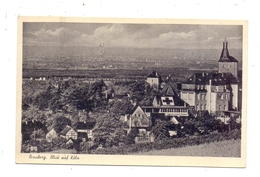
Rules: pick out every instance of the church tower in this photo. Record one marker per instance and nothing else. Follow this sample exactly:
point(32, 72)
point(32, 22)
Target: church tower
point(227, 63)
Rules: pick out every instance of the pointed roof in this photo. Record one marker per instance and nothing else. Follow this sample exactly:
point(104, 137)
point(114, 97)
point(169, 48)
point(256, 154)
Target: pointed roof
point(225, 57)
point(170, 88)
point(65, 130)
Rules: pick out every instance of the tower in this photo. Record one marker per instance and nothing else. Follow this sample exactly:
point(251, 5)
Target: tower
point(227, 63)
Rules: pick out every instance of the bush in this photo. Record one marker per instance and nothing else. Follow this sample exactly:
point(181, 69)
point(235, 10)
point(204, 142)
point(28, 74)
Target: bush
point(170, 143)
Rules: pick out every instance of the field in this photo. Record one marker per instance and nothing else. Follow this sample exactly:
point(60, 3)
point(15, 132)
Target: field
point(227, 148)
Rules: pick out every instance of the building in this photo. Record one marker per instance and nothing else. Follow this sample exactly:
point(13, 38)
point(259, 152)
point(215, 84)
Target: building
point(154, 80)
point(84, 130)
point(51, 135)
point(227, 63)
point(68, 132)
point(168, 102)
point(214, 92)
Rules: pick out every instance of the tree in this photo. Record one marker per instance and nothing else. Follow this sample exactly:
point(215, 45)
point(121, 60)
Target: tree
point(38, 134)
point(160, 130)
point(33, 113)
point(60, 123)
point(118, 107)
point(108, 131)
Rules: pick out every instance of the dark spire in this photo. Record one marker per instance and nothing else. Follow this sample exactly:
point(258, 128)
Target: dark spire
point(225, 53)
point(225, 57)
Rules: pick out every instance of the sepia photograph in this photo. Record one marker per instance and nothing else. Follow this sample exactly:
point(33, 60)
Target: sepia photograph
point(159, 92)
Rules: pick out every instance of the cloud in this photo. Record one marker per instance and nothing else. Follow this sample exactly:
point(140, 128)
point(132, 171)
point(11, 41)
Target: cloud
point(132, 35)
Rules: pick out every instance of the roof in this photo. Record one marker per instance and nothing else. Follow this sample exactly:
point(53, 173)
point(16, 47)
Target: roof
point(168, 101)
point(65, 130)
point(170, 88)
point(216, 79)
point(85, 125)
point(154, 74)
point(225, 57)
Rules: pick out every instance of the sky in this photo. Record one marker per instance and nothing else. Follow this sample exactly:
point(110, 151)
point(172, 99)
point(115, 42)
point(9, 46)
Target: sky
point(176, 36)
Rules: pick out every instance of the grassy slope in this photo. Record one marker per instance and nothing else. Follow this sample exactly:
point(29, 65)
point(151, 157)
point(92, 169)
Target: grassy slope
point(228, 148)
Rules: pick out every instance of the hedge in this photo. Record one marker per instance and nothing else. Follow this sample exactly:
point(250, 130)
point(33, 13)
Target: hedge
point(170, 143)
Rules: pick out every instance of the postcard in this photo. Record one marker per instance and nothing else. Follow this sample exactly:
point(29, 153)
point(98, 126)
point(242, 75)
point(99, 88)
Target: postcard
point(142, 92)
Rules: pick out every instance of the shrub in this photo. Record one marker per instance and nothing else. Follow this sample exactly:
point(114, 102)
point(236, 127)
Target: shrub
point(170, 143)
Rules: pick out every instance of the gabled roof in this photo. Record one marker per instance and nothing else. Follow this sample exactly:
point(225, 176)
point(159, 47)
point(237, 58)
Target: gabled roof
point(225, 57)
point(170, 88)
point(65, 130)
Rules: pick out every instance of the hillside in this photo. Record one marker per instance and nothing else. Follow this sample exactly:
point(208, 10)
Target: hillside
point(227, 148)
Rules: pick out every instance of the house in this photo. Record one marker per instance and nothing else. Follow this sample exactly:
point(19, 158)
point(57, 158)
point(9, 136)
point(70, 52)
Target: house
point(33, 146)
point(140, 121)
point(51, 135)
point(154, 79)
point(213, 92)
point(70, 143)
point(144, 136)
point(84, 130)
point(168, 102)
point(68, 132)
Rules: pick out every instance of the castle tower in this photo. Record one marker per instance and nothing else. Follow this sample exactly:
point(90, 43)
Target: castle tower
point(227, 63)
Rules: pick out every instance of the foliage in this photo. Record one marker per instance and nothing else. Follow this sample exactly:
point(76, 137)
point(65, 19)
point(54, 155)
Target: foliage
point(108, 131)
point(171, 143)
point(59, 123)
point(160, 130)
point(38, 134)
point(131, 136)
point(118, 107)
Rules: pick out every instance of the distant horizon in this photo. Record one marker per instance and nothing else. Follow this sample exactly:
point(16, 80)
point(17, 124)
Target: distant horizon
point(173, 36)
point(125, 47)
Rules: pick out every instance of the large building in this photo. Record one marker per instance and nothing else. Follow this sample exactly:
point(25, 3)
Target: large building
point(227, 63)
point(214, 92)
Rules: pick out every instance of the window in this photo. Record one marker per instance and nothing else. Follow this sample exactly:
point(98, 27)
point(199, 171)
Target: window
point(201, 107)
point(198, 107)
point(219, 107)
point(198, 97)
point(205, 107)
point(224, 107)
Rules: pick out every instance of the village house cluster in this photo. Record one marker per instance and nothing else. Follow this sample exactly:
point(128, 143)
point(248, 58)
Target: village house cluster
point(217, 93)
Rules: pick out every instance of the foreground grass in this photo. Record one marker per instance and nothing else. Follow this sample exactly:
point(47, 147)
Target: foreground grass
point(62, 151)
point(227, 148)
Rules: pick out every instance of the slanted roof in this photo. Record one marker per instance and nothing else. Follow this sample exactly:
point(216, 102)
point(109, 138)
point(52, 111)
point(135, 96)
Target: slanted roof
point(225, 57)
point(65, 130)
point(154, 74)
point(166, 101)
point(216, 79)
point(170, 88)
